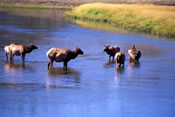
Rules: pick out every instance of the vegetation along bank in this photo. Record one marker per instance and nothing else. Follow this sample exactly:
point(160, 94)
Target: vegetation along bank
point(147, 18)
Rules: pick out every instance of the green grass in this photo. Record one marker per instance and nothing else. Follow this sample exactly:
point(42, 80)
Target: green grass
point(34, 6)
point(156, 20)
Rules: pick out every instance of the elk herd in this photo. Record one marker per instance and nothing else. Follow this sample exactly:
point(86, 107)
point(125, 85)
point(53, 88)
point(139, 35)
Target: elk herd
point(65, 55)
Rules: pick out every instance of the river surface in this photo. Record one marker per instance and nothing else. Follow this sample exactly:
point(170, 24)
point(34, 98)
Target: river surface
point(91, 86)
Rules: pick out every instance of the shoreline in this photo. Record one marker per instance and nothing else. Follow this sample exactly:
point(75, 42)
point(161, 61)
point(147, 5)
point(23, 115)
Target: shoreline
point(35, 6)
point(125, 20)
point(136, 17)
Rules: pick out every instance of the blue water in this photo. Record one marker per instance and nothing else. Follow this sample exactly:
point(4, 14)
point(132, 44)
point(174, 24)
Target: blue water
point(91, 86)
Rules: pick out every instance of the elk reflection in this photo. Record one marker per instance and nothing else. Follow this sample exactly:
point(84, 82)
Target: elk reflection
point(118, 73)
point(134, 64)
point(63, 77)
point(11, 67)
point(109, 64)
point(120, 69)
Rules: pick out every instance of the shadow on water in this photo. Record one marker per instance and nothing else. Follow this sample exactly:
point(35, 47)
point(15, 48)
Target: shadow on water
point(63, 78)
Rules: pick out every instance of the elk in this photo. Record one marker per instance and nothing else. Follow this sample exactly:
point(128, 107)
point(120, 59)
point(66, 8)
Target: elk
point(111, 51)
point(18, 50)
point(120, 58)
point(62, 55)
point(134, 54)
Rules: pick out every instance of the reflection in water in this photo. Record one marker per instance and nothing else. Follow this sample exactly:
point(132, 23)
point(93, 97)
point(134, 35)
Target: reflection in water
point(118, 71)
point(132, 68)
point(109, 64)
point(28, 26)
point(131, 71)
point(63, 77)
point(14, 69)
point(134, 64)
point(98, 26)
point(42, 13)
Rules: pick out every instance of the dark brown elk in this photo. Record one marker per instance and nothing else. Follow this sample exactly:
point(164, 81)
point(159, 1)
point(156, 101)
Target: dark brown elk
point(111, 51)
point(62, 55)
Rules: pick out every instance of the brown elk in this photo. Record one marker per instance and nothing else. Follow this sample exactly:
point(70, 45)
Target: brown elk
point(18, 50)
point(62, 55)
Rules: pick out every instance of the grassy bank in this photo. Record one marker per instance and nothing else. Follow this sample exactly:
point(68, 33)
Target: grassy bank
point(156, 20)
point(34, 6)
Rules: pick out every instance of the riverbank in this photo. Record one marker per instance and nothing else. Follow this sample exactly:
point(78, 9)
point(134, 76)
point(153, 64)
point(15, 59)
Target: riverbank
point(156, 20)
point(35, 6)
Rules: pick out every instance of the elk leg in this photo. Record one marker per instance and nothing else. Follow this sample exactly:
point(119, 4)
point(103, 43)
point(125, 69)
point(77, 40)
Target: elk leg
point(11, 56)
point(50, 64)
point(112, 58)
point(130, 59)
point(109, 58)
point(65, 63)
point(6, 56)
point(23, 57)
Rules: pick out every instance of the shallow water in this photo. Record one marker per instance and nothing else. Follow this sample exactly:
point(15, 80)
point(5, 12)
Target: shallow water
point(91, 86)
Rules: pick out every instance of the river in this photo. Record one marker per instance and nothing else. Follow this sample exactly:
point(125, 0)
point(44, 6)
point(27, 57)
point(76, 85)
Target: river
point(91, 86)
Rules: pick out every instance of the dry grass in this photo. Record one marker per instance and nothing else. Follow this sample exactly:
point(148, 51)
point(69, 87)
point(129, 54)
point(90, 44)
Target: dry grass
point(157, 20)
